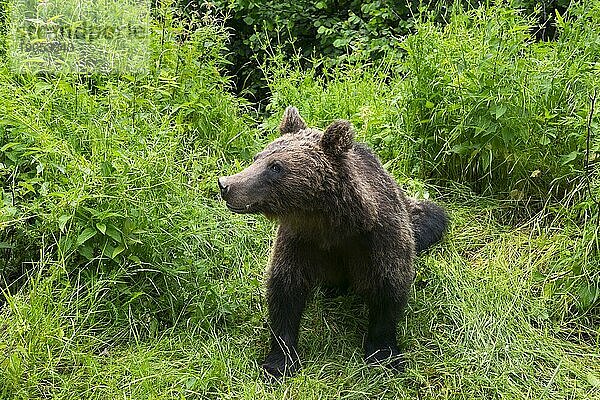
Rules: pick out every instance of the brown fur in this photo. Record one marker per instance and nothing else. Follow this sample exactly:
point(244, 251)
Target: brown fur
point(344, 221)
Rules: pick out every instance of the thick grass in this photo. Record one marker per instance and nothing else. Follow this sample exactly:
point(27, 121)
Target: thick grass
point(124, 276)
point(477, 326)
point(475, 100)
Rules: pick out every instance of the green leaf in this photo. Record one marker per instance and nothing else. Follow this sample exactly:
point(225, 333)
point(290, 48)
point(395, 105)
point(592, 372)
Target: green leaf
point(86, 235)
point(498, 110)
point(27, 186)
point(560, 21)
point(101, 227)
point(118, 250)
point(6, 245)
point(106, 168)
point(588, 294)
point(569, 158)
point(113, 233)
point(544, 140)
point(65, 244)
point(62, 221)
point(190, 382)
point(134, 258)
point(507, 136)
point(86, 251)
point(8, 146)
point(107, 250)
point(340, 43)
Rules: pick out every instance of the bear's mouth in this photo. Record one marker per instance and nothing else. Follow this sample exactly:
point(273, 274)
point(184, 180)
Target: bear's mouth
point(247, 209)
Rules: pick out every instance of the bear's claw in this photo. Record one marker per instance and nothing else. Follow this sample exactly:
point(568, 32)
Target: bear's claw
point(277, 365)
point(387, 357)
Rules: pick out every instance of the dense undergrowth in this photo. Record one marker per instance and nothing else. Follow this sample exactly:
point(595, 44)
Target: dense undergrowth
point(122, 274)
point(335, 32)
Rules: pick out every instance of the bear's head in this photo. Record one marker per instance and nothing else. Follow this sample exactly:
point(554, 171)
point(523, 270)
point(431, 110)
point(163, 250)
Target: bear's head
point(298, 174)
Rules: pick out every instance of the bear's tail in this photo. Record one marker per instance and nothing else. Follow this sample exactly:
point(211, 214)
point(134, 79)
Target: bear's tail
point(429, 222)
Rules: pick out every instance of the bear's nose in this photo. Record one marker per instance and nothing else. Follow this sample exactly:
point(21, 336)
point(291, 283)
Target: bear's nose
point(224, 187)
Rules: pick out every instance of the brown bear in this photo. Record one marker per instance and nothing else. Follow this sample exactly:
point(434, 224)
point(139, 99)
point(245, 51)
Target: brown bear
point(343, 221)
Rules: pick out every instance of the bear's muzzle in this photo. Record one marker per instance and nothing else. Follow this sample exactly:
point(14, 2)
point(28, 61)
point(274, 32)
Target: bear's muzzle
point(224, 187)
point(236, 194)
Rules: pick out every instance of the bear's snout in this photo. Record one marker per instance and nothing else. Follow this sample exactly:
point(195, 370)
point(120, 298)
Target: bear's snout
point(223, 186)
point(237, 194)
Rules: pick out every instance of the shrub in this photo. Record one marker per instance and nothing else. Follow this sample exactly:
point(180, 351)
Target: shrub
point(335, 31)
point(476, 101)
point(110, 176)
point(332, 31)
point(495, 109)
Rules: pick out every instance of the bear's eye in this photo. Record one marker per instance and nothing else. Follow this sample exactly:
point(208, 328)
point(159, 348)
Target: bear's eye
point(276, 167)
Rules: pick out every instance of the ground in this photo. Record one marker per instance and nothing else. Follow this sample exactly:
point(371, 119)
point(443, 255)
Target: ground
point(476, 327)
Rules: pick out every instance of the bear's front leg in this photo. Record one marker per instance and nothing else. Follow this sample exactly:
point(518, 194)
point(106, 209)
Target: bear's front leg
point(381, 346)
point(286, 296)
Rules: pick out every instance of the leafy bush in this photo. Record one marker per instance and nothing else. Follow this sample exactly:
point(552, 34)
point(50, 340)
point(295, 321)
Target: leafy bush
point(476, 101)
point(110, 176)
point(493, 108)
point(335, 31)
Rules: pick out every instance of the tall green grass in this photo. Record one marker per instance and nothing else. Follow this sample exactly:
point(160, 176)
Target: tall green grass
point(475, 100)
point(112, 177)
point(477, 326)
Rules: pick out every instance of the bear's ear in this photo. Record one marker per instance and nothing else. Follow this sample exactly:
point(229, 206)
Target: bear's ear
point(338, 137)
point(291, 122)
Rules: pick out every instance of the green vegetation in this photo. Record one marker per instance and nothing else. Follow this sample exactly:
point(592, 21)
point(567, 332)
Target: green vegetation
point(336, 31)
point(123, 275)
